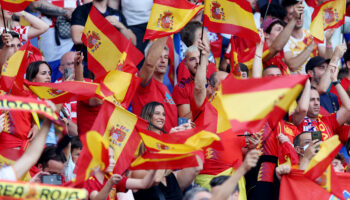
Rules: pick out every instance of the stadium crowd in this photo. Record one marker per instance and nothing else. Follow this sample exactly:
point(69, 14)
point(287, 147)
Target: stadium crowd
point(180, 103)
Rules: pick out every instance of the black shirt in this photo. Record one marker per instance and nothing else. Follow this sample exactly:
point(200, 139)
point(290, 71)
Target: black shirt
point(81, 13)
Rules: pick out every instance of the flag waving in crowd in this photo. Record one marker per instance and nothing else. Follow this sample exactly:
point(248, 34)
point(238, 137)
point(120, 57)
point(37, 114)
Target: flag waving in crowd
point(174, 99)
point(168, 17)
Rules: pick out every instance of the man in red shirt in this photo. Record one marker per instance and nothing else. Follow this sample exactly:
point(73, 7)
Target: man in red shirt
point(152, 87)
point(308, 117)
point(184, 90)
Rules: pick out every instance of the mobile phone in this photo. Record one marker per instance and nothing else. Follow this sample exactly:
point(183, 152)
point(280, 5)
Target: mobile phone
point(182, 120)
point(316, 135)
point(67, 73)
point(52, 179)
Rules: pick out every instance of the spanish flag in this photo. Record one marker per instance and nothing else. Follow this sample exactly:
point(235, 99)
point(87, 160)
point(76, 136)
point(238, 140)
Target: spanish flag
point(107, 48)
point(169, 17)
point(93, 156)
point(117, 125)
point(238, 104)
point(320, 168)
point(173, 151)
point(233, 17)
point(150, 160)
point(64, 92)
point(122, 92)
point(330, 14)
point(15, 5)
point(14, 69)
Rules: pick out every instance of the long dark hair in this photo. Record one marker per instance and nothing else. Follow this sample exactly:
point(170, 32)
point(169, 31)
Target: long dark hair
point(148, 111)
point(33, 69)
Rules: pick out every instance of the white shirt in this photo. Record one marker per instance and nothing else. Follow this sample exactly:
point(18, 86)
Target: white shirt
point(8, 173)
point(136, 11)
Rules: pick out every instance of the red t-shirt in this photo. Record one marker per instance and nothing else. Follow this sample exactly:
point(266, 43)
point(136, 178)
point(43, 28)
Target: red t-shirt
point(345, 83)
point(86, 116)
point(183, 92)
point(156, 91)
point(184, 73)
point(326, 124)
point(92, 184)
point(16, 128)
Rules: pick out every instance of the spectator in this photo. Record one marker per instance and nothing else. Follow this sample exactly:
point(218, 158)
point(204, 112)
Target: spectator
point(115, 17)
point(29, 158)
point(50, 162)
point(183, 91)
point(301, 46)
point(36, 28)
point(104, 185)
point(305, 148)
point(74, 150)
point(337, 163)
point(9, 44)
point(52, 43)
point(152, 87)
point(154, 114)
point(40, 71)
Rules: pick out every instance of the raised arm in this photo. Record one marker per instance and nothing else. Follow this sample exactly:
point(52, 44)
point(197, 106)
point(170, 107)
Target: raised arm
point(327, 51)
point(151, 59)
point(343, 114)
point(303, 105)
point(78, 66)
point(5, 52)
point(37, 27)
point(200, 77)
point(225, 190)
point(144, 183)
point(325, 80)
point(49, 9)
point(295, 62)
point(33, 152)
point(257, 63)
point(282, 39)
point(186, 176)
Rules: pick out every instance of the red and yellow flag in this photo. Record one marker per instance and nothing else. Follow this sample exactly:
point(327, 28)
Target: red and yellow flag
point(330, 14)
point(167, 149)
point(169, 17)
point(15, 5)
point(232, 17)
point(93, 156)
point(117, 126)
point(295, 186)
point(236, 104)
point(320, 168)
point(107, 48)
point(9, 157)
point(64, 92)
point(119, 87)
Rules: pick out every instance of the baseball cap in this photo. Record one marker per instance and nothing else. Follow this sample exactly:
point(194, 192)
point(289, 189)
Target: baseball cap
point(315, 61)
point(269, 21)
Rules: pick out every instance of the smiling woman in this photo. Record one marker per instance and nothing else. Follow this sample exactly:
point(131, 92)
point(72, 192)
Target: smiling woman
point(154, 113)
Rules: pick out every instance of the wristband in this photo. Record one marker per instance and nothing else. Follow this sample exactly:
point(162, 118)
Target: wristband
point(334, 83)
point(329, 46)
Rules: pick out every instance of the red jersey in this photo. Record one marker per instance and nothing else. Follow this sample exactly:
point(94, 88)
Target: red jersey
point(92, 184)
point(156, 91)
point(184, 73)
point(183, 92)
point(345, 83)
point(326, 124)
point(86, 116)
